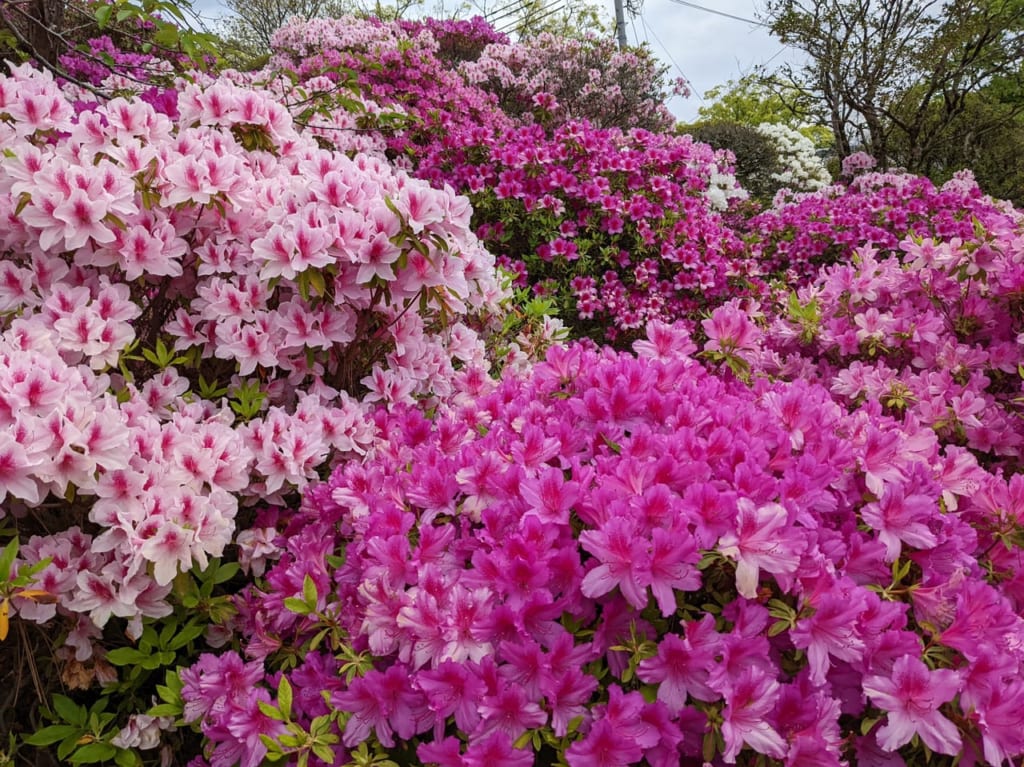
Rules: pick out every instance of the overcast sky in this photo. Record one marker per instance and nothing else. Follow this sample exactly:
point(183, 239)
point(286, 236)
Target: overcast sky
point(705, 47)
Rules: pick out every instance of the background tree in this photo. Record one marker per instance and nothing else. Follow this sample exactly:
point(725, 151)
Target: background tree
point(252, 23)
point(757, 158)
point(755, 99)
point(523, 19)
point(893, 77)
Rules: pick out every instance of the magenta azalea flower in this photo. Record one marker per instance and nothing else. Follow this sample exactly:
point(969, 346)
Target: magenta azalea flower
point(912, 697)
point(763, 540)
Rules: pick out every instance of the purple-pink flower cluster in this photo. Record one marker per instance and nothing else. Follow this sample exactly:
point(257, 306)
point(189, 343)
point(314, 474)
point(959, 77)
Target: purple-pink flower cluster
point(625, 558)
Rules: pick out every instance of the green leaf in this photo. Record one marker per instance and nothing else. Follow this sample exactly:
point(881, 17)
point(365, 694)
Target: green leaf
point(867, 723)
point(168, 631)
point(124, 656)
point(69, 711)
point(167, 36)
point(309, 591)
point(186, 635)
point(324, 752)
point(7, 559)
point(523, 740)
point(50, 735)
point(778, 627)
point(316, 281)
point(284, 696)
point(296, 606)
point(708, 748)
point(126, 757)
point(166, 709)
point(226, 572)
point(103, 15)
point(68, 745)
point(270, 710)
point(92, 753)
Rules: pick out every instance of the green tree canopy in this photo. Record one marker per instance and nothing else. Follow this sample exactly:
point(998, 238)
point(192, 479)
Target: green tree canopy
point(893, 77)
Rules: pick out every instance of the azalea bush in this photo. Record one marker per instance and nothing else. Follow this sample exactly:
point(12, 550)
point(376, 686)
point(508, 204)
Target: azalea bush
point(803, 232)
point(282, 480)
point(625, 559)
point(801, 169)
point(615, 228)
point(402, 66)
point(932, 331)
point(195, 315)
point(755, 157)
point(586, 79)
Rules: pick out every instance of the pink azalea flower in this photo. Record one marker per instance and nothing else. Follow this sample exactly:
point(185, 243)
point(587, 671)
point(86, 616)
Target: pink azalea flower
point(911, 696)
point(623, 561)
point(763, 540)
point(900, 517)
point(750, 699)
point(497, 750)
point(386, 703)
point(603, 746)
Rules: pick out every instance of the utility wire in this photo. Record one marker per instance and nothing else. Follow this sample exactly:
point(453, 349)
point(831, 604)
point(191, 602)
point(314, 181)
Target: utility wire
point(721, 13)
point(679, 69)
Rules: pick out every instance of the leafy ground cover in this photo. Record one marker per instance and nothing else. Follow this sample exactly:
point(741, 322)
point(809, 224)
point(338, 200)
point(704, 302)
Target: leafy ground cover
point(341, 426)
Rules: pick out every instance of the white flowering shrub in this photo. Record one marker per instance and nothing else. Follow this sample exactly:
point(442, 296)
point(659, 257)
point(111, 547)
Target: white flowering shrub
point(801, 169)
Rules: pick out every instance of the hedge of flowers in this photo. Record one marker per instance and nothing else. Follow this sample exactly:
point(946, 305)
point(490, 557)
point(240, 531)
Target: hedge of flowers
point(615, 224)
point(280, 486)
point(616, 228)
point(803, 232)
point(588, 79)
point(801, 169)
point(933, 330)
point(629, 559)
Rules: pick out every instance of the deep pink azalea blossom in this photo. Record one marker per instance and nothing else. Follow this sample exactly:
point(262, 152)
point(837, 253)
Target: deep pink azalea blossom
point(750, 700)
point(912, 696)
point(763, 539)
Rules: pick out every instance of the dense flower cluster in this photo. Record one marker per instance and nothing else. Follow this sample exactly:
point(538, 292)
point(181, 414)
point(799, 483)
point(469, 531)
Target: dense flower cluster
point(934, 330)
point(803, 232)
point(247, 327)
point(801, 169)
point(395, 65)
point(576, 79)
point(626, 558)
point(618, 228)
point(181, 317)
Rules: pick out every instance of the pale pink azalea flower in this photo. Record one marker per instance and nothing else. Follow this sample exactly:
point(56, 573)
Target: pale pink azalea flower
point(99, 597)
point(168, 546)
point(188, 182)
point(420, 205)
point(19, 470)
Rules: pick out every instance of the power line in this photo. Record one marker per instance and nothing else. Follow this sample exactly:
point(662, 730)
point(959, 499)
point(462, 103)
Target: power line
point(657, 39)
point(721, 13)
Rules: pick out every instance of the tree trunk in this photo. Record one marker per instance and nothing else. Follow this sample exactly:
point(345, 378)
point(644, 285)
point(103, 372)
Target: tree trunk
point(44, 28)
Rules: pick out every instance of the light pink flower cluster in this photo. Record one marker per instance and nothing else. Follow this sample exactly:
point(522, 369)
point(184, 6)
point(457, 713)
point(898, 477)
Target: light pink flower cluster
point(184, 304)
point(580, 79)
